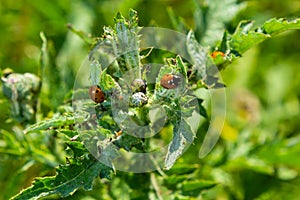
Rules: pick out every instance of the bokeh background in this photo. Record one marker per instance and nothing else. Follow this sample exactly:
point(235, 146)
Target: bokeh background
point(259, 151)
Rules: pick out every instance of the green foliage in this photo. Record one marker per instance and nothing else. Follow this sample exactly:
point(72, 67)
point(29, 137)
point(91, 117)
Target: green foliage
point(256, 156)
point(212, 17)
point(77, 173)
point(246, 37)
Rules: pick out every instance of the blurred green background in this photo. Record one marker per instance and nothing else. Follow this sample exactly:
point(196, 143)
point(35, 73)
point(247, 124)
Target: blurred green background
point(263, 92)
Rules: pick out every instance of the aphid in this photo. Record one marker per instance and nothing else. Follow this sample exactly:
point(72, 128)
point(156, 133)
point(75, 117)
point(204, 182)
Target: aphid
point(138, 99)
point(216, 53)
point(170, 81)
point(138, 85)
point(96, 94)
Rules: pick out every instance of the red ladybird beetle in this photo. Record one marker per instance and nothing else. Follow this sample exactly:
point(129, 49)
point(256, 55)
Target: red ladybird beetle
point(170, 81)
point(96, 94)
point(216, 53)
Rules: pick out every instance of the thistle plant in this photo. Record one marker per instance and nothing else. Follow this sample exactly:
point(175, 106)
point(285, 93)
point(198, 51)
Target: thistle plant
point(131, 114)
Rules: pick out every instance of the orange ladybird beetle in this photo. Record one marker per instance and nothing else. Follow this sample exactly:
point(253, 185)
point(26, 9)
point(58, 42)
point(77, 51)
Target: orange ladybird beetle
point(216, 53)
point(170, 81)
point(96, 94)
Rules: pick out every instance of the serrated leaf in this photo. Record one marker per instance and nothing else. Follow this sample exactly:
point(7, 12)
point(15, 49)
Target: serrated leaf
point(69, 178)
point(127, 41)
point(246, 37)
point(243, 38)
point(58, 121)
point(182, 137)
point(211, 19)
point(275, 26)
point(198, 55)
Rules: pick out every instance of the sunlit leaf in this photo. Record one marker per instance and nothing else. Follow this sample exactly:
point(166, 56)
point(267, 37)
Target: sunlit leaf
point(58, 121)
point(182, 137)
point(211, 17)
point(69, 178)
point(246, 36)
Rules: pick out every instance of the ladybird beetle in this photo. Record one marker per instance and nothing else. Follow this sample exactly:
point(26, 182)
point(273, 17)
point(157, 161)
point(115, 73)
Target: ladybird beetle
point(170, 81)
point(216, 53)
point(96, 94)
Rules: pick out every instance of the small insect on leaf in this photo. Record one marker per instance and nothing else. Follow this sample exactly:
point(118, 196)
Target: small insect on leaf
point(170, 81)
point(138, 99)
point(217, 53)
point(96, 94)
point(138, 85)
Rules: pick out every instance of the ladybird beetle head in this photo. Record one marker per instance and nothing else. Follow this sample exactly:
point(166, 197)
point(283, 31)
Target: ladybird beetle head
point(96, 94)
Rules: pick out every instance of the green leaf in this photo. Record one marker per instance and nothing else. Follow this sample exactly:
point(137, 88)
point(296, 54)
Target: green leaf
point(246, 37)
point(275, 26)
point(193, 188)
point(77, 148)
point(203, 68)
point(127, 142)
point(174, 179)
point(282, 153)
point(44, 58)
point(182, 137)
point(182, 68)
point(107, 83)
point(69, 178)
point(177, 22)
point(181, 168)
point(202, 110)
point(58, 121)
point(211, 19)
point(198, 55)
point(127, 41)
point(95, 71)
